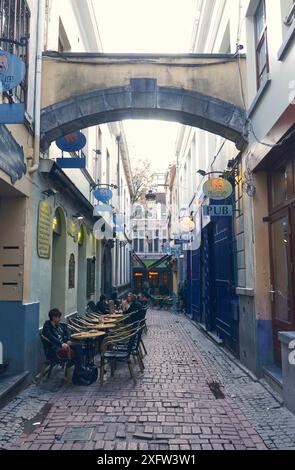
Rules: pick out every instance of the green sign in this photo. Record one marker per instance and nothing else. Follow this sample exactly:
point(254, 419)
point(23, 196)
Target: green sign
point(44, 230)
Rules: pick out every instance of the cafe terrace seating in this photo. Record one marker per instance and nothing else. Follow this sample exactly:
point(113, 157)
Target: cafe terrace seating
point(50, 362)
point(120, 340)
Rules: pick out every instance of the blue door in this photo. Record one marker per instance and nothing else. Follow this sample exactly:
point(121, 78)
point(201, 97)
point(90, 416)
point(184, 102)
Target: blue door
point(226, 300)
point(207, 290)
point(196, 285)
point(188, 290)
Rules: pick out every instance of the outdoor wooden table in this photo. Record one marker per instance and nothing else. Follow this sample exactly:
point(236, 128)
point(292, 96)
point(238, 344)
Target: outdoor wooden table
point(88, 337)
point(94, 320)
point(113, 317)
point(106, 326)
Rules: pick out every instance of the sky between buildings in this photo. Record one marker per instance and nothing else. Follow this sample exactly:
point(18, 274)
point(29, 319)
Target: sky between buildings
point(160, 26)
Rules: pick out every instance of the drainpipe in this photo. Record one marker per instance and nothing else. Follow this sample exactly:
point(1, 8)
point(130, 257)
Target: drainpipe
point(37, 96)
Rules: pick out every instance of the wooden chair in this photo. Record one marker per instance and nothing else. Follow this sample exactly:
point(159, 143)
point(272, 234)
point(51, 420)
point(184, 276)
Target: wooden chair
point(50, 362)
point(119, 348)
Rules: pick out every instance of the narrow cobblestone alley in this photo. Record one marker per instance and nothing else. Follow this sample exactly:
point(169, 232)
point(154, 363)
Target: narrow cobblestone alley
point(171, 407)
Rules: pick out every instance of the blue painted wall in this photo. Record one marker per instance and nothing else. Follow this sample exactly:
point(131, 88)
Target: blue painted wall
point(19, 334)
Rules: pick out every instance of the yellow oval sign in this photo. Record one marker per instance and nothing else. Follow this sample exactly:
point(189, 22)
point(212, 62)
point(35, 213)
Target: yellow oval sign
point(217, 188)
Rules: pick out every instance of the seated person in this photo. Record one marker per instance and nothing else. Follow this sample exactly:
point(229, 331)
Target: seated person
point(114, 298)
point(91, 307)
point(102, 305)
point(58, 335)
point(143, 299)
point(111, 306)
point(133, 306)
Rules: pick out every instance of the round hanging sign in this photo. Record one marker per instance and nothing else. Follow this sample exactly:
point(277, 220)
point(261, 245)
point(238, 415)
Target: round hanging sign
point(217, 188)
point(12, 71)
point(103, 194)
point(71, 142)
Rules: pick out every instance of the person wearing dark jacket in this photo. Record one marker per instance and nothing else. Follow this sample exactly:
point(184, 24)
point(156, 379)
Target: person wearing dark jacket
point(58, 335)
point(102, 306)
point(134, 307)
point(114, 298)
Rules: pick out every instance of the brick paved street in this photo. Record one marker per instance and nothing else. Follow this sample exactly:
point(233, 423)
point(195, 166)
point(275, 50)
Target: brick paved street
point(171, 407)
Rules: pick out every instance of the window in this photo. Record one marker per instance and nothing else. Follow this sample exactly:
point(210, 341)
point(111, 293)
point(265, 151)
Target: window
point(15, 24)
point(90, 282)
point(141, 245)
point(135, 244)
point(108, 168)
point(156, 245)
point(288, 13)
point(72, 272)
point(282, 183)
point(262, 63)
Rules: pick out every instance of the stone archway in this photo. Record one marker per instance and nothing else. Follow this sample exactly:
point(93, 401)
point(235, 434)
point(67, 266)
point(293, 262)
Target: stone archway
point(80, 90)
point(143, 99)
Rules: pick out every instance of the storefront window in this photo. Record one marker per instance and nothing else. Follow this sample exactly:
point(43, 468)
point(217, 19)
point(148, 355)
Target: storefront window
point(281, 264)
point(279, 185)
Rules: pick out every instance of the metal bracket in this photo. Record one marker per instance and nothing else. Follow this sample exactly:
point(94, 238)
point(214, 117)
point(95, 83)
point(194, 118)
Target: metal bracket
point(23, 42)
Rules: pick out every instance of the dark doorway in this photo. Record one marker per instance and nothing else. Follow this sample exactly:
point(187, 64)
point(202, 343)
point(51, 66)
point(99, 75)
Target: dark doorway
point(107, 271)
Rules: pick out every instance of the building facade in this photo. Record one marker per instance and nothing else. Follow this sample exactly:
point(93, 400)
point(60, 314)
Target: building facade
point(151, 260)
point(210, 259)
point(269, 161)
point(51, 255)
point(239, 269)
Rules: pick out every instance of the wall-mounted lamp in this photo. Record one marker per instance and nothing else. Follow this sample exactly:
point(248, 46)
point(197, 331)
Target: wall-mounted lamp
point(150, 198)
point(49, 192)
point(78, 216)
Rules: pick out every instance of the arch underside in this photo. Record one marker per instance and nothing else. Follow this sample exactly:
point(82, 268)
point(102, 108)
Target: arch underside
point(143, 99)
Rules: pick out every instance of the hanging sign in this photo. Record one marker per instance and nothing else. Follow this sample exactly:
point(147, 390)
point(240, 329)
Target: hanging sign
point(175, 251)
point(71, 142)
point(218, 211)
point(167, 248)
point(177, 241)
point(11, 155)
point(44, 230)
point(12, 113)
point(103, 194)
point(71, 162)
point(119, 229)
point(12, 71)
point(119, 219)
point(217, 188)
point(102, 208)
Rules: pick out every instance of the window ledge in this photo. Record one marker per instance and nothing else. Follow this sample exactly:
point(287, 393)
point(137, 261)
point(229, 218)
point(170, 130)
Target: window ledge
point(258, 96)
point(287, 43)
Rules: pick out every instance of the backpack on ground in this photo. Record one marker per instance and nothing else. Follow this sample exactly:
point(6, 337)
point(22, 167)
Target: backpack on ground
point(85, 376)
